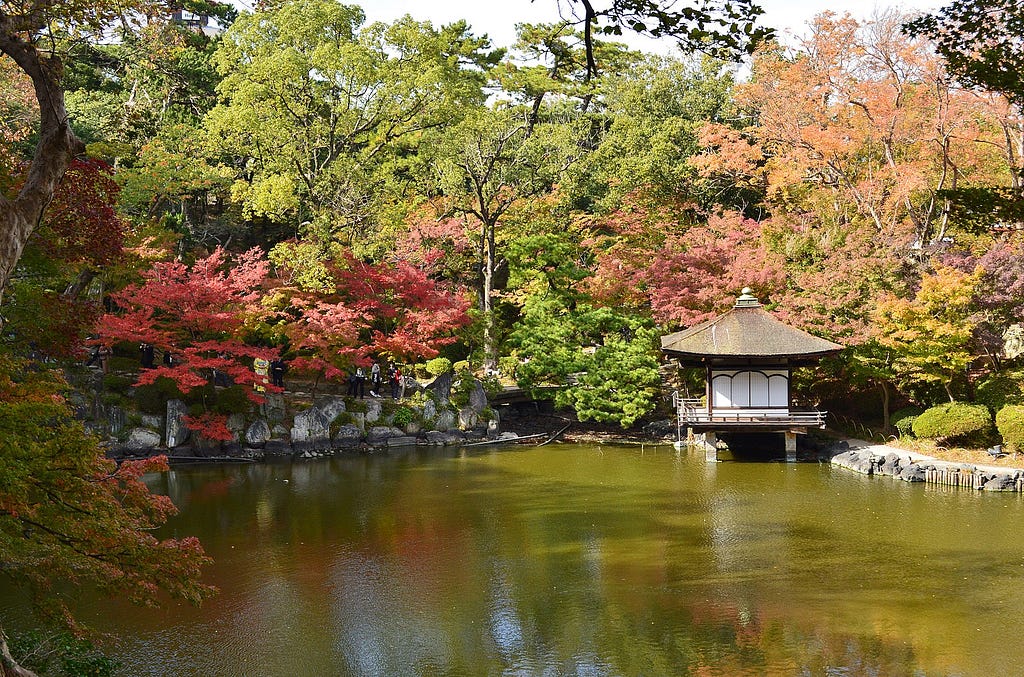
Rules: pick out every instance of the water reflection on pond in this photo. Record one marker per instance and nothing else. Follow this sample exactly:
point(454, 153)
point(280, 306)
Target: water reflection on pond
point(584, 560)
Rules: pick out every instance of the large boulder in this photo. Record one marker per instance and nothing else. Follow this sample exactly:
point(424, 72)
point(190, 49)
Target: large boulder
point(349, 436)
point(890, 464)
point(662, 429)
point(373, 409)
point(1001, 482)
point(468, 418)
point(153, 421)
point(429, 410)
point(441, 387)
point(478, 397)
point(380, 434)
point(273, 407)
point(446, 420)
point(913, 473)
point(331, 408)
point(176, 433)
point(236, 424)
point(117, 419)
point(257, 434)
point(444, 438)
point(857, 461)
point(142, 439)
point(310, 430)
point(403, 441)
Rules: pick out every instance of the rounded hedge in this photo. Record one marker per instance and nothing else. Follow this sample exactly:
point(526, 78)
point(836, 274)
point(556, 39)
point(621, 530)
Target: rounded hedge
point(438, 366)
point(903, 420)
point(1010, 424)
point(1001, 388)
point(954, 422)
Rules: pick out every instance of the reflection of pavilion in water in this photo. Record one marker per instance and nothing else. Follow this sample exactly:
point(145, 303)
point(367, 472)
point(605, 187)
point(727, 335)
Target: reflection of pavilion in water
point(748, 357)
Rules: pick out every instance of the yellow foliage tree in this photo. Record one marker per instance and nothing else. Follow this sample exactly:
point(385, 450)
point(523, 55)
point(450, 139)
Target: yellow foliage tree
point(931, 334)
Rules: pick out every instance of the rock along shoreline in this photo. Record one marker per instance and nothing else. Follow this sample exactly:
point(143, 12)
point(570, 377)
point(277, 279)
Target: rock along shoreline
point(880, 459)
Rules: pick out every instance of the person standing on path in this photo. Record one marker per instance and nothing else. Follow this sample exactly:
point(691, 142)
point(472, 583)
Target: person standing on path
point(360, 382)
point(277, 370)
point(375, 379)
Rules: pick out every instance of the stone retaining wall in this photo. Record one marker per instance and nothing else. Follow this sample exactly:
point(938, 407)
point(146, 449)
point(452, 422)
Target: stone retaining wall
point(881, 460)
point(286, 426)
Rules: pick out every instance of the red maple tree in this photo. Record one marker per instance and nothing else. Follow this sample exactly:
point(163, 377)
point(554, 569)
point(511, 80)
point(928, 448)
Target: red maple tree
point(196, 313)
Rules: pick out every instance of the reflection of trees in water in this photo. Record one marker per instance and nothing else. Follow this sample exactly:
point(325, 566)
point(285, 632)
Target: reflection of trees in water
point(576, 562)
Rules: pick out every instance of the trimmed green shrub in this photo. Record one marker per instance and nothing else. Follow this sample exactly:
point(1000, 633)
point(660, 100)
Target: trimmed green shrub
point(115, 363)
point(116, 383)
point(461, 365)
point(233, 400)
point(955, 422)
point(1010, 423)
point(438, 366)
point(1000, 389)
point(903, 420)
point(152, 399)
point(403, 416)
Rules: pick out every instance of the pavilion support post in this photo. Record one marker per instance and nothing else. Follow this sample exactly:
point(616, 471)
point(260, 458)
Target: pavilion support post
point(790, 446)
point(710, 445)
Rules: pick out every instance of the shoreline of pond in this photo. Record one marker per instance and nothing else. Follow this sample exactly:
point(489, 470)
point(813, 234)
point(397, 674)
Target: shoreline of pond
point(868, 458)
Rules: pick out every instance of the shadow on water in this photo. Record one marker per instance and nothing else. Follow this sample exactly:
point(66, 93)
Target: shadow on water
point(753, 447)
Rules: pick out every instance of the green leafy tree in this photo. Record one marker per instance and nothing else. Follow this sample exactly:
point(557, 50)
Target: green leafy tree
point(492, 160)
point(603, 359)
point(980, 41)
point(723, 29)
point(654, 113)
point(315, 104)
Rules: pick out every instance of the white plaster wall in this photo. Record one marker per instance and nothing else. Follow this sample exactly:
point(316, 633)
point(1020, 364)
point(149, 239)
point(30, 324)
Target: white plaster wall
point(750, 388)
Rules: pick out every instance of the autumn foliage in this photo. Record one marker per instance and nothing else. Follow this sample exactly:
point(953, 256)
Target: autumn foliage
point(69, 515)
point(196, 314)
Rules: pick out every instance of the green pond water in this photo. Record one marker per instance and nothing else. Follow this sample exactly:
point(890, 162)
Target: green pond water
point(583, 560)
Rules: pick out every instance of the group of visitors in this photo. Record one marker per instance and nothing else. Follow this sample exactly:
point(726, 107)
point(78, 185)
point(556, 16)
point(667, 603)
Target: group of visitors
point(274, 368)
point(357, 381)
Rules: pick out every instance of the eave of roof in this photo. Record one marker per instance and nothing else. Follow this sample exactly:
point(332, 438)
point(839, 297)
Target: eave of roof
point(746, 332)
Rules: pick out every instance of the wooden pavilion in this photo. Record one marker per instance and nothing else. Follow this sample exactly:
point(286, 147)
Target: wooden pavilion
point(748, 356)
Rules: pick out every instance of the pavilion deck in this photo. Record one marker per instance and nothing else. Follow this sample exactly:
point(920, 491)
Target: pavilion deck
point(693, 414)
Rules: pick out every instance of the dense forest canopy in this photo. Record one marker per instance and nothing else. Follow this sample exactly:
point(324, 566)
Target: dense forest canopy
point(561, 190)
point(295, 181)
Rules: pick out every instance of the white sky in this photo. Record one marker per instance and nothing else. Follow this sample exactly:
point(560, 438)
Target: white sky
point(497, 18)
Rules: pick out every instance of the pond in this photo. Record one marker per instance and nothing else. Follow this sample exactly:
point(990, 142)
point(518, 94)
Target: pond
point(583, 560)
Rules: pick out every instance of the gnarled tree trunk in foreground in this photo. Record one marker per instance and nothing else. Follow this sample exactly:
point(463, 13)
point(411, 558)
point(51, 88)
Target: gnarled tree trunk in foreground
point(8, 666)
point(55, 149)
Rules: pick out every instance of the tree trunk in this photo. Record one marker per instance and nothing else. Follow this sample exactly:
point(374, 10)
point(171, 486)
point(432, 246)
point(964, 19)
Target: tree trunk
point(75, 289)
point(8, 666)
point(56, 147)
point(885, 405)
point(490, 356)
